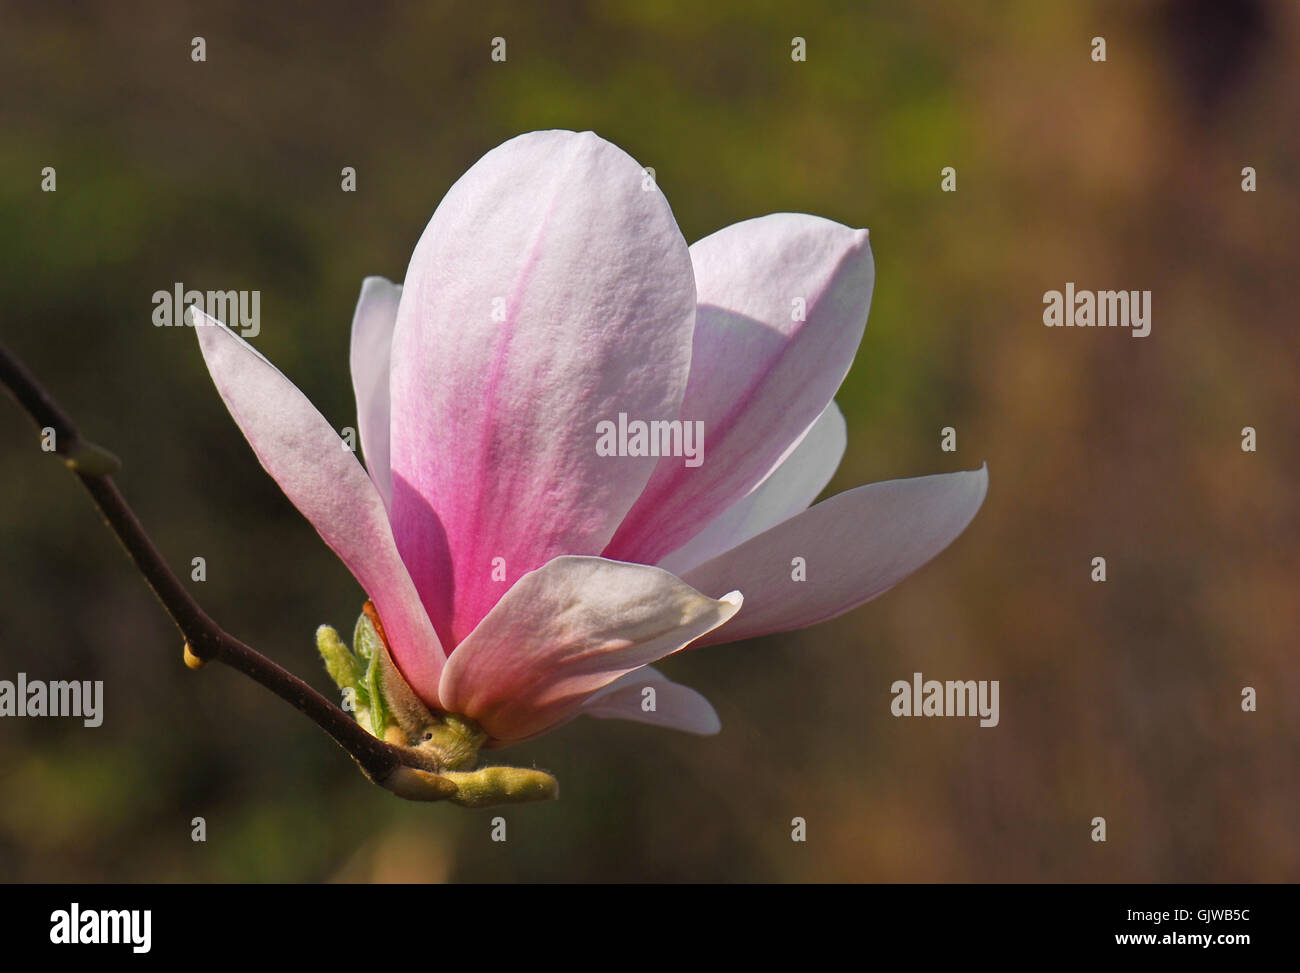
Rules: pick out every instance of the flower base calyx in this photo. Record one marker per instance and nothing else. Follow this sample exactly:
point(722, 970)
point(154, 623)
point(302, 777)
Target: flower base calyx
point(381, 700)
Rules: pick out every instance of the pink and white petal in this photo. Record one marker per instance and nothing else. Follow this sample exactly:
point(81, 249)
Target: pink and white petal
point(565, 631)
point(761, 371)
point(788, 489)
point(549, 292)
point(855, 546)
point(371, 352)
point(321, 476)
point(677, 707)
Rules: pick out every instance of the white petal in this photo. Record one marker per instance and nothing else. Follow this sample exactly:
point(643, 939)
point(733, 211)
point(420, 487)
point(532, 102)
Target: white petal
point(855, 546)
point(788, 489)
point(783, 302)
point(565, 631)
point(676, 707)
point(371, 351)
point(321, 476)
point(550, 292)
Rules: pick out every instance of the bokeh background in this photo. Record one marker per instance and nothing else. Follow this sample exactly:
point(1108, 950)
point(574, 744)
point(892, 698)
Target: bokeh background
point(1119, 699)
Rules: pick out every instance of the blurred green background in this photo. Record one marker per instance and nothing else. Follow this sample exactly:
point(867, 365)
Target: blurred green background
point(1119, 700)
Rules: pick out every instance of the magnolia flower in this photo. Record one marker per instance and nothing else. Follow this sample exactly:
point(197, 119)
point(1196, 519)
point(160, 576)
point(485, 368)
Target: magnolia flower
point(521, 575)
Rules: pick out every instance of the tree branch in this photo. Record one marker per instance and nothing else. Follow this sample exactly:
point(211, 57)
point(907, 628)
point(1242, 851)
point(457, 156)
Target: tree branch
point(205, 640)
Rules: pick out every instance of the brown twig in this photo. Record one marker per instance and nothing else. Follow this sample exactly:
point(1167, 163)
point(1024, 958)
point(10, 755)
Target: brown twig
point(205, 639)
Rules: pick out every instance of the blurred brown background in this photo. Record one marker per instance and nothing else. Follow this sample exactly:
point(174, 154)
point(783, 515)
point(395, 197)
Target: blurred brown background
point(1119, 699)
